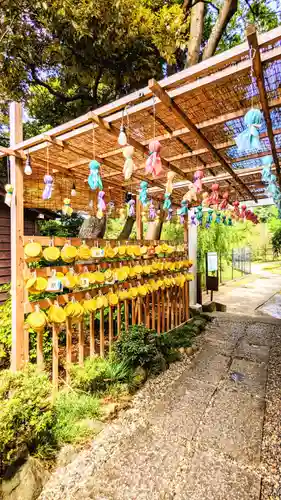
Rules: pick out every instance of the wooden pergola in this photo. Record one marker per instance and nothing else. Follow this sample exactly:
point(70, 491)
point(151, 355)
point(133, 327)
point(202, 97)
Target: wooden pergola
point(195, 114)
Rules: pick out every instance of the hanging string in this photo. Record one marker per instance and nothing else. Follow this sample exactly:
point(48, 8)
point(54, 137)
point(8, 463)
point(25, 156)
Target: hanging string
point(94, 144)
point(154, 117)
point(252, 53)
point(48, 160)
point(8, 171)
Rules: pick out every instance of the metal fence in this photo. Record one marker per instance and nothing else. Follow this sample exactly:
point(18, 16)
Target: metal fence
point(241, 260)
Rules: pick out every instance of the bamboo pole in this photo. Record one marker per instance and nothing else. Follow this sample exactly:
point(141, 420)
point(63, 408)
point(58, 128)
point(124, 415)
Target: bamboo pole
point(17, 233)
point(81, 341)
point(92, 334)
point(55, 358)
point(102, 332)
point(39, 349)
point(68, 347)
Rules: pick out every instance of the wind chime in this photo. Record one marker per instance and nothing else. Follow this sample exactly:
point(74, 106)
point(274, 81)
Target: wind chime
point(94, 179)
point(48, 181)
point(153, 164)
point(249, 139)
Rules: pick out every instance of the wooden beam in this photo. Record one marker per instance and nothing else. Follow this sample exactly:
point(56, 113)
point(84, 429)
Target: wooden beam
point(17, 234)
point(180, 115)
point(258, 71)
point(10, 152)
point(195, 75)
point(175, 134)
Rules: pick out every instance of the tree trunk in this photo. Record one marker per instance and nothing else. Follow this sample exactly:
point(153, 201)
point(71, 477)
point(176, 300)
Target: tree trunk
point(227, 11)
point(127, 229)
point(93, 228)
point(196, 32)
point(154, 230)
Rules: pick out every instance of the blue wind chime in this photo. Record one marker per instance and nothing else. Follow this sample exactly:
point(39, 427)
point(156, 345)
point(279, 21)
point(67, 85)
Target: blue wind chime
point(94, 179)
point(249, 139)
point(271, 182)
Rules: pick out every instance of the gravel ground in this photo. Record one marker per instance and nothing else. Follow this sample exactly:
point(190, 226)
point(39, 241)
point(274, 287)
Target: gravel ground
point(156, 438)
point(65, 481)
point(271, 446)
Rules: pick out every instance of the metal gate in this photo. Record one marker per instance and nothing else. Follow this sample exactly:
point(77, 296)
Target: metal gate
point(241, 260)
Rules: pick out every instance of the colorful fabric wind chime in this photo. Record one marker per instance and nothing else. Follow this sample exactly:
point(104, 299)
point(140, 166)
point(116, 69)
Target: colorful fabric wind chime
point(94, 179)
point(48, 181)
point(153, 164)
point(270, 181)
point(249, 139)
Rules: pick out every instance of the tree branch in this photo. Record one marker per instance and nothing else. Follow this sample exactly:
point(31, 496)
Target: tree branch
point(226, 13)
point(56, 93)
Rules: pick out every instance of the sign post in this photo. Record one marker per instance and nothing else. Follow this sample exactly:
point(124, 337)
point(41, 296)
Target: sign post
point(212, 274)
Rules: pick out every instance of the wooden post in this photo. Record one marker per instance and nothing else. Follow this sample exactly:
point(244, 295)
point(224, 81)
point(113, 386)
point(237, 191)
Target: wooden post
point(110, 327)
point(139, 219)
point(126, 308)
point(55, 357)
point(102, 332)
point(118, 319)
point(17, 233)
point(92, 334)
point(68, 347)
point(81, 341)
point(40, 359)
point(153, 311)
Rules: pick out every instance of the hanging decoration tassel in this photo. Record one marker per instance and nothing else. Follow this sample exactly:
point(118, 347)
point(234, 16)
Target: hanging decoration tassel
point(132, 208)
point(199, 215)
point(191, 195)
point(66, 209)
point(225, 201)
point(122, 213)
point(129, 165)
point(266, 171)
point(236, 209)
point(94, 179)
point(170, 215)
point(101, 205)
point(48, 181)
point(9, 194)
point(143, 193)
point(183, 211)
point(214, 198)
point(153, 164)
point(152, 211)
point(218, 218)
point(193, 220)
point(198, 176)
point(209, 218)
point(169, 183)
point(205, 199)
point(229, 221)
point(224, 221)
point(243, 212)
point(167, 201)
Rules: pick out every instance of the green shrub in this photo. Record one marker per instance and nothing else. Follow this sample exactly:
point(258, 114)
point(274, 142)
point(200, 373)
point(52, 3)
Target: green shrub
point(26, 415)
point(276, 242)
point(5, 332)
point(137, 347)
point(98, 373)
point(73, 412)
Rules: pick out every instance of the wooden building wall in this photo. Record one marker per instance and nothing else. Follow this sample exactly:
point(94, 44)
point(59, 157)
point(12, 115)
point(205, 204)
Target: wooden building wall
point(5, 241)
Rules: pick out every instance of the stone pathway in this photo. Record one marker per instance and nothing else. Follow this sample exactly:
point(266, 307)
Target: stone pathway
point(201, 440)
point(246, 295)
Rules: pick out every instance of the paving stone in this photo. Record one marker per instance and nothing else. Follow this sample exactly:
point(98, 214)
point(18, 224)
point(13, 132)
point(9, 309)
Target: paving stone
point(233, 425)
point(209, 365)
point(259, 334)
point(182, 412)
point(253, 377)
point(253, 352)
point(214, 478)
